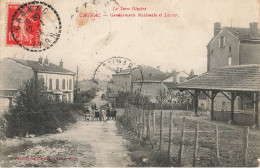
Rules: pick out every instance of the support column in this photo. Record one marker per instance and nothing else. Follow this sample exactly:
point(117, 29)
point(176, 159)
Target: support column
point(256, 110)
point(196, 102)
point(232, 106)
point(212, 98)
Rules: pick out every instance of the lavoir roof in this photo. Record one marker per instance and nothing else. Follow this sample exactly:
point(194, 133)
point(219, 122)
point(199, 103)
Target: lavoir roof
point(230, 78)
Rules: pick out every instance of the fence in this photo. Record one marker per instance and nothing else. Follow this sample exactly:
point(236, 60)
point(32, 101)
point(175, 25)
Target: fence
point(192, 142)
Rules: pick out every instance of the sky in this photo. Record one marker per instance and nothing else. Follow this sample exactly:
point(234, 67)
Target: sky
point(169, 42)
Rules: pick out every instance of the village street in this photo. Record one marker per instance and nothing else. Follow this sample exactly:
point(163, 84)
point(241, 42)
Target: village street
point(106, 145)
point(90, 143)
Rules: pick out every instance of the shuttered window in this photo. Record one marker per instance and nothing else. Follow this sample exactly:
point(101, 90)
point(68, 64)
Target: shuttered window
point(50, 84)
point(57, 84)
point(63, 84)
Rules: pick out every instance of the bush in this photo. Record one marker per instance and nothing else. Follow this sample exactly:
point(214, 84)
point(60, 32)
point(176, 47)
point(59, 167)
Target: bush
point(85, 96)
point(37, 113)
point(143, 153)
point(178, 106)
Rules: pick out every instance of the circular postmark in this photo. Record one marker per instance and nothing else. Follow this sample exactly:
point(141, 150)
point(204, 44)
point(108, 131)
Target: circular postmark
point(117, 74)
point(35, 26)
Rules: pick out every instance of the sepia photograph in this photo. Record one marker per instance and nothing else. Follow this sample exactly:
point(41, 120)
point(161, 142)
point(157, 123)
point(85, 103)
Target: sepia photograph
point(129, 83)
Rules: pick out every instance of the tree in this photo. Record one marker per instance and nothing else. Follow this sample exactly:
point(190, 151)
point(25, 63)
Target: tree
point(161, 96)
point(32, 95)
point(36, 112)
point(171, 97)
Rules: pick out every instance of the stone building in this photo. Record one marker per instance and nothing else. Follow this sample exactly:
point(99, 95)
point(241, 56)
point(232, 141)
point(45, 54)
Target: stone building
point(13, 72)
point(233, 46)
point(143, 79)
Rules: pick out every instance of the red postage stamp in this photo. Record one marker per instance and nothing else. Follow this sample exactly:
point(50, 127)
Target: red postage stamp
point(24, 25)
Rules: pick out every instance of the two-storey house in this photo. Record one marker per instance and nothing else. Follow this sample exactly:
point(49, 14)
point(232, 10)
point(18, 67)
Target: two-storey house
point(233, 46)
point(13, 72)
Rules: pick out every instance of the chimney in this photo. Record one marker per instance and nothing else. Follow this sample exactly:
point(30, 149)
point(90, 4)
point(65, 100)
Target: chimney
point(40, 60)
point(191, 73)
point(61, 63)
point(217, 28)
point(254, 29)
point(46, 61)
point(158, 67)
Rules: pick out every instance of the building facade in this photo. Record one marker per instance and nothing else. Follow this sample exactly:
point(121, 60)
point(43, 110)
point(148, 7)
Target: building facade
point(233, 46)
point(14, 72)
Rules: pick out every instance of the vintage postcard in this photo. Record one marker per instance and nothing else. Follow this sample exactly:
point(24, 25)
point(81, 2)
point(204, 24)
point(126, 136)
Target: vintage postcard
point(129, 83)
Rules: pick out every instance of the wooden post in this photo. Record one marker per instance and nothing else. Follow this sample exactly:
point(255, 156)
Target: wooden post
point(256, 95)
point(246, 131)
point(232, 106)
point(195, 145)
point(143, 122)
point(181, 143)
point(212, 108)
point(196, 102)
point(217, 147)
point(212, 98)
point(139, 123)
point(161, 124)
point(153, 124)
point(148, 133)
point(170, 136)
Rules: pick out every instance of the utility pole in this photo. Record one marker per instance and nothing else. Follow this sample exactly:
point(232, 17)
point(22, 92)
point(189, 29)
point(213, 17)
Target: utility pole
point(77, 78)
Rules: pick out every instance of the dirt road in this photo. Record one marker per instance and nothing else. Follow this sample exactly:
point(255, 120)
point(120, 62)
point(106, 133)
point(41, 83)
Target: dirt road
point(108, 147)
point(92, 143)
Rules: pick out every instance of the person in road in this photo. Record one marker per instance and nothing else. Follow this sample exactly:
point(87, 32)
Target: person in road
point(113, 113)
point(100, 115)
point(108, 113)
point(97, 115)
point(87, 113)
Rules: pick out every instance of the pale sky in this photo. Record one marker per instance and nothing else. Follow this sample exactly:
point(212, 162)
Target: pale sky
point(171, 43)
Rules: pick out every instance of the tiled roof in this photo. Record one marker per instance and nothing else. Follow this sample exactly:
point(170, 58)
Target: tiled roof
point(51, 68)
point(237, 78)
point(149, 73)
point(170, 85)
point(243, 33)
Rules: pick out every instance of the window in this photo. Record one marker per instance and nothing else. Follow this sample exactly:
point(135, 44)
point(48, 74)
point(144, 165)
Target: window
point(70, 84)
point(50, 84)
point(222, 42)
point(229, 60)
point(212, 51)
point(57, 84)
point(229, 48)
point(63, 84)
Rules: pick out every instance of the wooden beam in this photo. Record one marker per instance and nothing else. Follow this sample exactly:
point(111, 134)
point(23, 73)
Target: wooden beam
point(256, 110)
point(226, 95)
point(233, 97)
point(203, 91)
point(197, 92)
point(191, 93)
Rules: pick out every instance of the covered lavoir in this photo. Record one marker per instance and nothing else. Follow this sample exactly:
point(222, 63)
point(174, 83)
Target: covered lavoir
point(235, 88)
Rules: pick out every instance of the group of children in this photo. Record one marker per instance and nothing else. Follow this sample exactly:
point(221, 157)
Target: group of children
point(101, 114)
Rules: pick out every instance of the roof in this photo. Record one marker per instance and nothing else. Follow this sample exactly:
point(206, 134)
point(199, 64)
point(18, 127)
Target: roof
point(230, 78)
point(51, 68)
point(191, 76)
point(243, 34)
point(170, 85)
point(147, 72)
point(147, 81)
